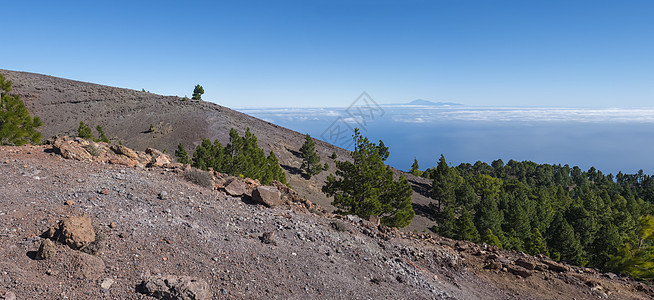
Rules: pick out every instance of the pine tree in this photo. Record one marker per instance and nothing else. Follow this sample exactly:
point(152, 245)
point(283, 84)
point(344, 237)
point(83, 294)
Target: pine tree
point(415, 168)
point(447, 225)
point(103, 137)
point(310, 159)
point(491, 239)
point(536, 244)
point(564, 241)
point(182, 156)
point(444, 185)
point(85, 132)
point(17, 127)
point(365, 186)
point(465, 228)
point(197, 92)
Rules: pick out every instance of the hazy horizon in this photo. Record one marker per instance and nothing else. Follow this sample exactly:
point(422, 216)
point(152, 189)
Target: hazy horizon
point(611, 140)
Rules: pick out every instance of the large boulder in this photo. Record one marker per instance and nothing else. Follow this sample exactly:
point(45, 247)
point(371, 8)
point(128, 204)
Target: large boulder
point(122, 150)
point(175, 287)
point(72, 149)
point(267, 195)
point(236, 188)
point(554, 266)
point(76, 232)
point(161, 160)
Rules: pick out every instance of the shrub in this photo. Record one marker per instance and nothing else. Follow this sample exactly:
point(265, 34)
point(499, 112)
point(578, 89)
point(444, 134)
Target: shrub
point(199, 177)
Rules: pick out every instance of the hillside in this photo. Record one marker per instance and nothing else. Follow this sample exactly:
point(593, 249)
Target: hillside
point(155, 230)
point(126, 115)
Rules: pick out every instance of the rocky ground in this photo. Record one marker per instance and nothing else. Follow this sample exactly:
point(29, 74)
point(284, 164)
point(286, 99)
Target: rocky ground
point(126, 115)
point(158, 234)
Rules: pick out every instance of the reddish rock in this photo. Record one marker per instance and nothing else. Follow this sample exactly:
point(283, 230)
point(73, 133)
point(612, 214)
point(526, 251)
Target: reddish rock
point(71, 149)
point(75, 231)
point(161, 160)
point(122, 150)
point(525, 264)
point(554, 266)
point(267, 195)
point(518, 270)
point(118, 160)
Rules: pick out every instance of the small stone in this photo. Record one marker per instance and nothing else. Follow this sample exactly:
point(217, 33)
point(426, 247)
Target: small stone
point(112, 225)
point(163, 195)
point(104, 191)
point(47, 250)
point(106, 284)
point(268, 238)
point(69, 202)
point(10, 296)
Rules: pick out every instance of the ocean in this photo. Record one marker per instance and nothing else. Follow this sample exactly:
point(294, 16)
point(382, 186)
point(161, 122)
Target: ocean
point(611, 140)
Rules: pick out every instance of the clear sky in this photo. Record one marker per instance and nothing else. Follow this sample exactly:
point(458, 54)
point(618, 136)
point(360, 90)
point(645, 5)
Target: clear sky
point(325, 53)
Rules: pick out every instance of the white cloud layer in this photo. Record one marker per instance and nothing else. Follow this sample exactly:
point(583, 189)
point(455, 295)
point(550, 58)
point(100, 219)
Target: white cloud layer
point(422, 114)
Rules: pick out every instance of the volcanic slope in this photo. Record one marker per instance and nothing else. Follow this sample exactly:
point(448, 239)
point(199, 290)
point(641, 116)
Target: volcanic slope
point(126, 115)
point(237, 249)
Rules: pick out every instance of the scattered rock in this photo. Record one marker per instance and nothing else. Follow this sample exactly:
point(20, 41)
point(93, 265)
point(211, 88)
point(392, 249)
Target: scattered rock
point(175, 287)
point(76, 232)
point(71, 149)
point(124, 161)
point(518, 270)
point(88, 266)
point(69, 202)
point(163, 195)
point(106, 283)
point(493, 266)
point(161, 160)
point(9, 295)
point(235, 188)
point(267, 195)
point(269, 238)
point(122, 150)
point(112, 225)
point(525, 264)
point(554, 266)
point(610, 275)
point(47, 250)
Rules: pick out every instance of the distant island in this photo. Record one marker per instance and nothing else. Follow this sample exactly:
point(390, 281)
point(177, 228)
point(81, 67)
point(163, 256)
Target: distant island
point(431, 103)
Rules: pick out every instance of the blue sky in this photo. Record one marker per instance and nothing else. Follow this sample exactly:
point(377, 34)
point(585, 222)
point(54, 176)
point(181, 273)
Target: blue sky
point(325, 53)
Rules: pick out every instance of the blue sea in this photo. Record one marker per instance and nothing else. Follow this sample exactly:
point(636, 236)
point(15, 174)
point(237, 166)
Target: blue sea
point(611, 140)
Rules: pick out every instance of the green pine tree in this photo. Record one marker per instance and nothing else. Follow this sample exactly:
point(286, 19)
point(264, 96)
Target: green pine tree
point(536, 244)
point(365, 186)
point(310, 159)
point(197, 92)
point(491, 239)
point(465, 228)
point(103, 137)
point(85, 132)
point(415, 168)
point(182, 156)
point(17, 127)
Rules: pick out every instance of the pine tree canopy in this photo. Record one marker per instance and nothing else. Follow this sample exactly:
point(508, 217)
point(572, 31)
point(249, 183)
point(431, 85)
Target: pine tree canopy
point(365, 187)
point(17, 127)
